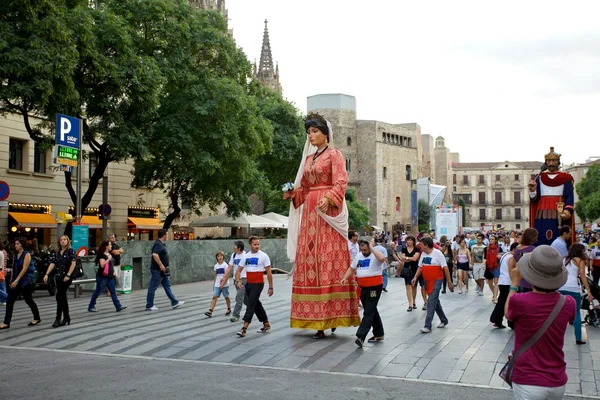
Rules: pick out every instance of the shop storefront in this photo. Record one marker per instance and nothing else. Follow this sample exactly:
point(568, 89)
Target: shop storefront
point(90, 218)
point(142, 223)
point(181, 232)
point(31, 221)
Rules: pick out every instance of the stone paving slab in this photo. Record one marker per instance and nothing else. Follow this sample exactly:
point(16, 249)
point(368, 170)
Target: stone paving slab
point(467, 351)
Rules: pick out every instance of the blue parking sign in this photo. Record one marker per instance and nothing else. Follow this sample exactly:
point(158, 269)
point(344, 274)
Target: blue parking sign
point(68, 131)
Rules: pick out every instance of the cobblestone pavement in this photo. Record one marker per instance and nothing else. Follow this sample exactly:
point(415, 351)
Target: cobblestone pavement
point(468, 351)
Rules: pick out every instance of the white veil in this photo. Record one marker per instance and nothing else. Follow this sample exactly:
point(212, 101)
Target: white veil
point(339, 222)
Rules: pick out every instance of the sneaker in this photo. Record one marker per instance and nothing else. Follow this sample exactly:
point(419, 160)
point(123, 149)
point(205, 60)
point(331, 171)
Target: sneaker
point(375, 339)
point(385, 290)
point(153, 308)
point(124, 306)
point(241, 333)
point(179, 303)
point(425, 330)
point(442, 325)
point(477, 289)
point(424, 308)
point(234, 319)
point(92, 309)
point(359, 342)
point(480, 294)
point(264, 329)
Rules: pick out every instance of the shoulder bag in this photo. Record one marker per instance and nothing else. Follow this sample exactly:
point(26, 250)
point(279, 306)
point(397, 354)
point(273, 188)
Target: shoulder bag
point(507, 370)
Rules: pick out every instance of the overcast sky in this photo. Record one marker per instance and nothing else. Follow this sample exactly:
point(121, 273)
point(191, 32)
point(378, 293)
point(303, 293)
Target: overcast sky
point(499, 80)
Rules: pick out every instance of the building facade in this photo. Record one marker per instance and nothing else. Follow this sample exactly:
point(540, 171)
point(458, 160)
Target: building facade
point(495, 193)
point(383, 160)
point(268, 71)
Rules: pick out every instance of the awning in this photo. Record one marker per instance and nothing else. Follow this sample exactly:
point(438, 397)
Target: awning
point(27, 220)
point(149, 224)
point(375, 227)
point(92, 221)
point(243, 221)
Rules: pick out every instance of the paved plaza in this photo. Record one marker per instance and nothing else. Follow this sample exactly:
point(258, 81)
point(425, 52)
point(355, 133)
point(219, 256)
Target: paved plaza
point(467, 352)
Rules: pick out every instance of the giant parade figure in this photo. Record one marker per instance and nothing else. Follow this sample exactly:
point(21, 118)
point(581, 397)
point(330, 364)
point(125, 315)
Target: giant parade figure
point(551, 200)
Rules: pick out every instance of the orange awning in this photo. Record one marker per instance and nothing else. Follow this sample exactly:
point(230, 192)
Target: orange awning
point(27, 220)
point(149, 224)
point(92, 221)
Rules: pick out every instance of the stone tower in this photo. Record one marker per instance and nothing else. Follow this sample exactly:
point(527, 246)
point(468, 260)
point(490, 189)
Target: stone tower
point(212, 5)
point(267, 73)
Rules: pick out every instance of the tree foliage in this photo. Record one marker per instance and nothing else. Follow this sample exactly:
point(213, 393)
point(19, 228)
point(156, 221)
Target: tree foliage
point(462, 205)
point(424, 213)
point(359, 215)
point(588, 190)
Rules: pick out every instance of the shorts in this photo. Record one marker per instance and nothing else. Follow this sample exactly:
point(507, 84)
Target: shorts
point(462, 266)
point(478, 271)
point(217, 292)
point(487, 274)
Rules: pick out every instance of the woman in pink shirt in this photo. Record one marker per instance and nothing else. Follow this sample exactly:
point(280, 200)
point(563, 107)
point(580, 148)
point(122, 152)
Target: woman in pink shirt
point(540, 372)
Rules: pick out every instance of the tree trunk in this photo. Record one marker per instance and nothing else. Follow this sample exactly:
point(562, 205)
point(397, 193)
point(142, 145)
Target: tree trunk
point(176, 210)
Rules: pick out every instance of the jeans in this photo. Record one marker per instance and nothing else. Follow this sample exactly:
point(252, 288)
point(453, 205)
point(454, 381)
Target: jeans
point(159, 279)
point(434, 306)
point(528, 392)
point(577, 322)
point(240, 296)
point(384, 274)
point(497, 316)
point(12, 298)
point(101, 284)
point(369, 296)
point(253, 304)
point(62, 305)
point(3, 294)
point(451, 271)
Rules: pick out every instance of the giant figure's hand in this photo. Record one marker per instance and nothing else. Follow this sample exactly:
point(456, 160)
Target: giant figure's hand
point(532, 186)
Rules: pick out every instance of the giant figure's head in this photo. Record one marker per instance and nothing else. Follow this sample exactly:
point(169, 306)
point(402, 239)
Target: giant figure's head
point(552, 160)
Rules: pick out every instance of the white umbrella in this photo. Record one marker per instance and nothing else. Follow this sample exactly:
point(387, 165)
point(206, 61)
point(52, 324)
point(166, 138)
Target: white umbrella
point(281, 219)
point(243, 221)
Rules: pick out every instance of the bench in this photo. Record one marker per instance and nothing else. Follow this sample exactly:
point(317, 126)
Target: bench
point(77, 285)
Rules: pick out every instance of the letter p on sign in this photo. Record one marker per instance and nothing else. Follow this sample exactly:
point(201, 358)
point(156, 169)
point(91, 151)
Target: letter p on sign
point(65, 127)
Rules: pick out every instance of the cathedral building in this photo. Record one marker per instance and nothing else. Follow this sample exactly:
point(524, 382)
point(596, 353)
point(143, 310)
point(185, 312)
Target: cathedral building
point(267, 72)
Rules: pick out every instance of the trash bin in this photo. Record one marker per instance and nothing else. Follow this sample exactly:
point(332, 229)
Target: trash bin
point(125, 279)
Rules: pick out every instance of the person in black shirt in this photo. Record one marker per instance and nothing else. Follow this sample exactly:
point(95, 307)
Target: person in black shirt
point(115, 252)
point(159, 268)
point(105, 277)
point(63, 263)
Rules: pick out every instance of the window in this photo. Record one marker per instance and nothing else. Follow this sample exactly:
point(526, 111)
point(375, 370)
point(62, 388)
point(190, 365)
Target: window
point(15, 158)
point(454, 179)
point(466, 198)
point(465, 179)
point(93, 163)
point(516, 177)
point(481, 180)
point(348, 165)
point(517, 196)
point(497, 178)
point(498, 214)
point(349, 141)
point(518, 226)
point(397, 203)
point(384, 172)
point(518, 214)
point(481, 197)
point(39, 160)
point(384, 136)
point(482, 214)
point(498, 198)
point(408, 172)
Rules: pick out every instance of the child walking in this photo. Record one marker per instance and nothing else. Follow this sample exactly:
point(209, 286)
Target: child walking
point(221, 285)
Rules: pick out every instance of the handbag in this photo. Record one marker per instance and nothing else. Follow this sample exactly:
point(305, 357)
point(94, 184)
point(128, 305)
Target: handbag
point(406, 273)
point(78, 270)
point(507, 370)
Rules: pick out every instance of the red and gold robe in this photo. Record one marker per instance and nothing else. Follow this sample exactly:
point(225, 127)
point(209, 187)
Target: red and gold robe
point(319, 300)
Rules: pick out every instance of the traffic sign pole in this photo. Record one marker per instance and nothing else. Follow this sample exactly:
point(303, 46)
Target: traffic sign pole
point(79, 165)
point(104, 201)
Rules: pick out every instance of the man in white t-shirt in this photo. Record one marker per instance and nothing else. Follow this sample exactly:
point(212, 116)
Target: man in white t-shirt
point(256, 263)
point(433, 267)
point(237, 258)
point(497, 317)
point(379, 246)
point(368, 266)
point(478, 253)
point(353, 244)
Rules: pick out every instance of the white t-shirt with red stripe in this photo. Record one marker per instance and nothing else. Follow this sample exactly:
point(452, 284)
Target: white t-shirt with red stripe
point(255, 265)
point(429, 264)
point(368, 270)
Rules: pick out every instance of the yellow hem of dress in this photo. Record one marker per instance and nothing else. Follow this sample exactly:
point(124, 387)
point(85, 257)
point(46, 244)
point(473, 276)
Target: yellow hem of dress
point(326, 324)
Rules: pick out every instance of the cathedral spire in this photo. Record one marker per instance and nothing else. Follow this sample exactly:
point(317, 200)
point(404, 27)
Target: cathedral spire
point(267, 73)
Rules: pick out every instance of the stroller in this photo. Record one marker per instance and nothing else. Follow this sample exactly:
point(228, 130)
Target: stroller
point(593, 307)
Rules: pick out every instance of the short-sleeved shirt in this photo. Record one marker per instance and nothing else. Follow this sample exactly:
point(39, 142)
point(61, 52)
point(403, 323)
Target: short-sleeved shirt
point(544, 363)
point(62, 262)
point(382, 250)
point(111, 266)
point(116, 257)
point(560, 245)
point(432, 267)
point(255, 265)
point(220, 270)
point(237, 260)
point(504, 274)
point(353, 248)
point(414, 265)
point(368, 270)
point(594, 254)
point(478, 253)
point(159, 248)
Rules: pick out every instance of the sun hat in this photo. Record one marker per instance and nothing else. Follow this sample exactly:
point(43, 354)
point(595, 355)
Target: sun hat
point(543, 268)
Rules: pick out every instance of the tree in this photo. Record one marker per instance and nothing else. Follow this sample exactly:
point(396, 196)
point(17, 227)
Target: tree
point(204, 147)
point(359, 214)
point(588, 190)
point(424, 215)
point(61, 56)
point(463, 207)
